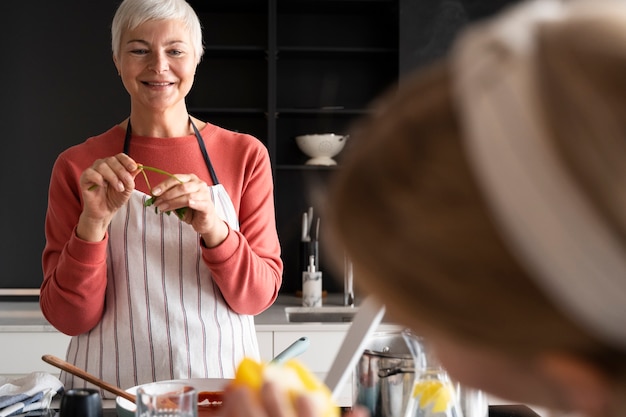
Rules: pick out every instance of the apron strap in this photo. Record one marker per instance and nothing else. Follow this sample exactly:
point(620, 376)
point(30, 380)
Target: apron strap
point(205, 154)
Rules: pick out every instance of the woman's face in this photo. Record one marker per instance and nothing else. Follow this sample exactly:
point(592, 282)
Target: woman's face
point(157, 64)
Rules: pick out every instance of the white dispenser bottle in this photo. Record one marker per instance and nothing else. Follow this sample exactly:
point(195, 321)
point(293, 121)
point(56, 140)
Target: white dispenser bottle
point(311, 285)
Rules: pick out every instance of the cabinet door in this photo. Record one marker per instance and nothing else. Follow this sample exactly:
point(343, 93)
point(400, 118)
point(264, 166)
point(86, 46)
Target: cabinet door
point(321, 352)
point(266, 345)
point(23, 351)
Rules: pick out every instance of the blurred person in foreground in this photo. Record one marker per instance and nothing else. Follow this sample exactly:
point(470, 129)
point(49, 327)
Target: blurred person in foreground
point(484, 203)
point(148, 296)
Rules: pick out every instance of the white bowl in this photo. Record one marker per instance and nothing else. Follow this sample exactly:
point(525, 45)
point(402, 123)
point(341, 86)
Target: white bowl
point(321, 147)
point(126, 408)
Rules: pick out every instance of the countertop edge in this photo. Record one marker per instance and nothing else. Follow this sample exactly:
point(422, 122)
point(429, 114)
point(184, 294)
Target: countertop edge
point(25, 317)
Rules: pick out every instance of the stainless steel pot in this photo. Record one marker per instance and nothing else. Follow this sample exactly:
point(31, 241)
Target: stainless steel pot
point(384, 375)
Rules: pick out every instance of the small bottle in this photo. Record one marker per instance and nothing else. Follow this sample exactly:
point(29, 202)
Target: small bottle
point(311, 285)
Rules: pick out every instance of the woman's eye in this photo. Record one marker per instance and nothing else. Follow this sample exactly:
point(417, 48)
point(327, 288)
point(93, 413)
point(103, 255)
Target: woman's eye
point(139, 51)
point(176, 52)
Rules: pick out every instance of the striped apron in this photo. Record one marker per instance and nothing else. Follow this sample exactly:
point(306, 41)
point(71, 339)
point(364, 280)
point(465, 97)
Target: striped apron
point(164, 317)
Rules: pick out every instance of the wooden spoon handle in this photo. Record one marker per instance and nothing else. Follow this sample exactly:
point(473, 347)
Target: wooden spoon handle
point(68, 367)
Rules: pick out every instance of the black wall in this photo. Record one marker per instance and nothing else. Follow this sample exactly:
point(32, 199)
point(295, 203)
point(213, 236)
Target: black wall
point(428, 27)
point(58, 86)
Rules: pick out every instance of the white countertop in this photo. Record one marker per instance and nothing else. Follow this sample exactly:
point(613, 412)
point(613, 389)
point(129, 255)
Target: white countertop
point(25, 316)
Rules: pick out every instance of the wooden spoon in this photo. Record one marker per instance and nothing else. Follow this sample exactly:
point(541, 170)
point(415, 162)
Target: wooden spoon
point(68, 367)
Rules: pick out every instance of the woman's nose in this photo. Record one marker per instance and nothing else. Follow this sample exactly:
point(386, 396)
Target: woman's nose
point(158, 63)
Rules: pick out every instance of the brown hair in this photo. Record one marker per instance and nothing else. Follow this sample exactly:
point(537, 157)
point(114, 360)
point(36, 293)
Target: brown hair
point(407, 208)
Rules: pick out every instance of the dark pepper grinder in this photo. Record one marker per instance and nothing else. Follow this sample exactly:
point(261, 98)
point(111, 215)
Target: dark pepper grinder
point(82, 402)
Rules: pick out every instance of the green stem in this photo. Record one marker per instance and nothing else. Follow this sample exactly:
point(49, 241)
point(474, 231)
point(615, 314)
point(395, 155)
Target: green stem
point(158, 171)
point(180, 212)
point(144, 168)
point(145, 177)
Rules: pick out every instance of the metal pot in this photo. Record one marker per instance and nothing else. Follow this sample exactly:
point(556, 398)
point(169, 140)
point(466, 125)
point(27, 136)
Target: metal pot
point(384, 375)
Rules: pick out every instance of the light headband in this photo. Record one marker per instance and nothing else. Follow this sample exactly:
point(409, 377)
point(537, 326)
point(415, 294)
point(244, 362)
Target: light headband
point(546, 219)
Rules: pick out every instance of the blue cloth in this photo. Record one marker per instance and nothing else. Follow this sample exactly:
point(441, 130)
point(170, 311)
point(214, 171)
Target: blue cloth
point(31, 392)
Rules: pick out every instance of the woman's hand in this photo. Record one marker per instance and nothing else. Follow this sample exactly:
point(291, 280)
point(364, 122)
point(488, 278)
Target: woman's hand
point(272, 402)
point(106, 186)
point(242, 402)
point(187, 190)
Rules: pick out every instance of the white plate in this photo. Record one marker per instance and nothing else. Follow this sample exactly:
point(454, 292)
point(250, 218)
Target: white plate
point(126, 408)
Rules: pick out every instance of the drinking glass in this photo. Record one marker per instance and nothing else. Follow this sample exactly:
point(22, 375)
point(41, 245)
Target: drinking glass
point(434, 393)
point(167, 399)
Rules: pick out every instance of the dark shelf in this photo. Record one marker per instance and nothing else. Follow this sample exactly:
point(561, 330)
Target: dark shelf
point(334, 6)
point(307, 167)
point(330, 111)
point(229, 6)
point(234, 51)
point(281, 68)
point(334, 52)
point(228, 110)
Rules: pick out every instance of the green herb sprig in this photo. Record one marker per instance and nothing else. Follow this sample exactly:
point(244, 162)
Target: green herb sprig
point(180, 212)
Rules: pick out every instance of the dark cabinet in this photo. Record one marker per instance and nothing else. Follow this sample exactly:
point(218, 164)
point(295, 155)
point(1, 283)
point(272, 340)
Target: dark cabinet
point(282, 68)
point(273, 68)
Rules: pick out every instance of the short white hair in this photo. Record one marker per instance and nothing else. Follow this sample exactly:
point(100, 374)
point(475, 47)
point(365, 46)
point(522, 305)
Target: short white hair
point(132, 13)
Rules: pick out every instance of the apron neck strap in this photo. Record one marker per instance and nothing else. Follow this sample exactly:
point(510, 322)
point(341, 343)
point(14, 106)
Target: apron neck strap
point(205, 154)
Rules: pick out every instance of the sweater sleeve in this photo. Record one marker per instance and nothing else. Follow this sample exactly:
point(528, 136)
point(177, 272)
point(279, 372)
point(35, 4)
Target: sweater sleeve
point(247, 266)
point(73, 289)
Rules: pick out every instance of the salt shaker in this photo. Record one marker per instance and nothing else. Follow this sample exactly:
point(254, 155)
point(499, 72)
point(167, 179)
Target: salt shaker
point(83, 402)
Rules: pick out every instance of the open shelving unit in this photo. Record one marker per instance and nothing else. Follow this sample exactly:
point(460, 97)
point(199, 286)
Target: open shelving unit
point(281, 68)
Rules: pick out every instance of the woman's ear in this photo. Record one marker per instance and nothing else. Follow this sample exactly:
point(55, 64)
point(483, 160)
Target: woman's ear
point(581, 385)
point(116, 66)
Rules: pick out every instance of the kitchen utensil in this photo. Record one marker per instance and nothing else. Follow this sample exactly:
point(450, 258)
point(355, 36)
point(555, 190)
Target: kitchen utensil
point(365, 321)
point(126, 408)
point(310, 219)
point(167, 399)
point(321, 148)
point(384, 375)
point(293, 350)
point(305, 228)
point(68, 367)
point(81, 403)
point(317, 229)
point(307, 249)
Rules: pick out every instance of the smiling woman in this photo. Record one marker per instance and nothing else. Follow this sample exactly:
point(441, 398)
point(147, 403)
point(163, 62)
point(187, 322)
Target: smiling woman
point(175, 295)
point(157, 63)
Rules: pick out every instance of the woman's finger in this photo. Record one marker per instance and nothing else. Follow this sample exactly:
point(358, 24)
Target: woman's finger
point(173, 183)
point(276, 401)
point(239, 402)
point(118, 171)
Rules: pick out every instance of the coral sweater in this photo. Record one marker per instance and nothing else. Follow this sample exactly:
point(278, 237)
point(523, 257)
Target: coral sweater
point(246, 267)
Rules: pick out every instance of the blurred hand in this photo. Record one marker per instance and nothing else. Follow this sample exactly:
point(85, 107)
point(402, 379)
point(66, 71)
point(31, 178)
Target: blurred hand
point(242, 402)
point(106, 186)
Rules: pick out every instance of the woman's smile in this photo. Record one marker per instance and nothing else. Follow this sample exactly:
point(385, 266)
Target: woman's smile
point(157, 64)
